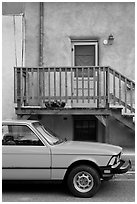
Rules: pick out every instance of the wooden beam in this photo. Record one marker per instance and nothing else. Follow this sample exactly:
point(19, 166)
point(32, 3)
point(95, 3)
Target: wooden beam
point(62, 111)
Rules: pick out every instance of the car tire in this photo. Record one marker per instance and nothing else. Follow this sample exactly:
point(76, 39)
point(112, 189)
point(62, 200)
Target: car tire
point(83, 181)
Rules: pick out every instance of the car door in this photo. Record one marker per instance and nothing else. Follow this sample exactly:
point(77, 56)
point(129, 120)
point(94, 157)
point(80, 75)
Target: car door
point(24, 155)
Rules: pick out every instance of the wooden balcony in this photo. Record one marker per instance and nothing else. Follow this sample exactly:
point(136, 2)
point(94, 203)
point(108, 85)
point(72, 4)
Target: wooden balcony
point(76, 87)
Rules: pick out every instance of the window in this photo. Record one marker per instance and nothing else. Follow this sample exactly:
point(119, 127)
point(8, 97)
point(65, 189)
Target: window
point(84, 53)
point(19, 135)
point(85, 129)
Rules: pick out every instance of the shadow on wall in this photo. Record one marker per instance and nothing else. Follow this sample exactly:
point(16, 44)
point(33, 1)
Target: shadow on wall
point(120, 134)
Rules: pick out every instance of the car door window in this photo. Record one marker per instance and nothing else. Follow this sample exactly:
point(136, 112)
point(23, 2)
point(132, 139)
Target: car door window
point(19, 135)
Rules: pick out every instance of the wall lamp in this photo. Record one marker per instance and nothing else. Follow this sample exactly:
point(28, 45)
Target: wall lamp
point(109, 41)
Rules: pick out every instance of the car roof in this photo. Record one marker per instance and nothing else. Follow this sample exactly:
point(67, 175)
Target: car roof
point(19, 121)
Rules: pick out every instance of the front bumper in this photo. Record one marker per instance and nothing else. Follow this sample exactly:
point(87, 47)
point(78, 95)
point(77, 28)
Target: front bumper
point(122, 167)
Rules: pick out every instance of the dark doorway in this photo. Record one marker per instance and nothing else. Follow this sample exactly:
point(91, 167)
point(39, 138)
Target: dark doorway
point(85, 129)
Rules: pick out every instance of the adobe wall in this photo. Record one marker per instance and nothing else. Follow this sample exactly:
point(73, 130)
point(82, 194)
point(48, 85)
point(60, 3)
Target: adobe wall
point(66, 21)
point(79, 20)
point(63, 126)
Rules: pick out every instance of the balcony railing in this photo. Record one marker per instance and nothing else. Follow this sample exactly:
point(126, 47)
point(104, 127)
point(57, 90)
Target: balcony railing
point(76, 86)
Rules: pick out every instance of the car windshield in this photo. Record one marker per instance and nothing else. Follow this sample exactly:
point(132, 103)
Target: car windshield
point(47, 134)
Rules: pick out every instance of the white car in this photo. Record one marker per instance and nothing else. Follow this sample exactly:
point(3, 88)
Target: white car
point(31, 152)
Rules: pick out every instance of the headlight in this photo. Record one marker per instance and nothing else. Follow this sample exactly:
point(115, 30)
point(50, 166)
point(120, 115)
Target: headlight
point(114, 159)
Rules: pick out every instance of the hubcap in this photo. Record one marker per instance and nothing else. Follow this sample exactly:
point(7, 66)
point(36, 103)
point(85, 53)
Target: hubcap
point(83, 181)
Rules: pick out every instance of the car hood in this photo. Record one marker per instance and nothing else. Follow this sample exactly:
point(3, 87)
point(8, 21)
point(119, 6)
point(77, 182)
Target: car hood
point(76, 147)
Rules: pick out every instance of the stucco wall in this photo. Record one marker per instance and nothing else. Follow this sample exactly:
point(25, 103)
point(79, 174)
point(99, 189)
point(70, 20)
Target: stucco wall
point(120, 134)
point(79, 20)
point(32, 34)
point(61, 125)
point(66, 21)
point(12, 8)
point(10, 55)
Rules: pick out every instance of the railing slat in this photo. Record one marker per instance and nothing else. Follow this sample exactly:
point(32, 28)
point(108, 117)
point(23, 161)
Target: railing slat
point(32, 84)
point(66, 85)
point(125, 95)
point(49, 84)
point(98, 88)
point(71, 85)
point(27, 86)
point(55, 83)
point(77, 88)
point(18, 88)
point(104, 82)
point(94, 84)
point(15, 84)
point(43, 74)
point(82, 85)
point(21, 81)
point(114, 88)
point(119, 89)
point(60, 82)
point(107, 87)
point(38, 87)
point(88, 85)
point(131, 96)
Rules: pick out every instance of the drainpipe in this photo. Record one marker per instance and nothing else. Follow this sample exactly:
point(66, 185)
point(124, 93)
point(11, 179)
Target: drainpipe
point(41, 34)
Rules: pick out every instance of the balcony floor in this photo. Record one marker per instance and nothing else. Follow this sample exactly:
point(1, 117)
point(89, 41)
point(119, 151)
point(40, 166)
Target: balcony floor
point(38, 110)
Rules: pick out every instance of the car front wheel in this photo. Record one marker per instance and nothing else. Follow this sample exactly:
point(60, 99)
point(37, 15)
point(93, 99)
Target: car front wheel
point(83, 181)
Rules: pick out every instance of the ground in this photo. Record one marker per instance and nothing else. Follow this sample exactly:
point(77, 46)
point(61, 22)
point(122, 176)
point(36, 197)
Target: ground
point(120, 189)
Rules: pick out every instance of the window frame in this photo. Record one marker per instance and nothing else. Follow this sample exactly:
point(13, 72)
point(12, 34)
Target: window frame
point(85, 42)
point(36, 135)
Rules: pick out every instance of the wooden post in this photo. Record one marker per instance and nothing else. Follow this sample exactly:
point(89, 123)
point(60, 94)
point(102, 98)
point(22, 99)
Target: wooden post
point(38, 86)
point(15, 84)
point(131, 96)
point(98, 84)
point(88, 85)
point(104, 84)
point(107, 130)
point(66, 86)
point(125, 95)
point(43, 81)
point(77, 94)
point(18, 88)
point(71, 85)
point(94, 83)
point(54, 83)
point(119, 89)
point(49, 84)
point(60, 83)
point(114, 88)
point(107, 88)
point(82, 85)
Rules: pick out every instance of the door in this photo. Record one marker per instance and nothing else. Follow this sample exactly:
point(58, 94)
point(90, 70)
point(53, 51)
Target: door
point(24, 156)
point(85, 129)
point(85, 53)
